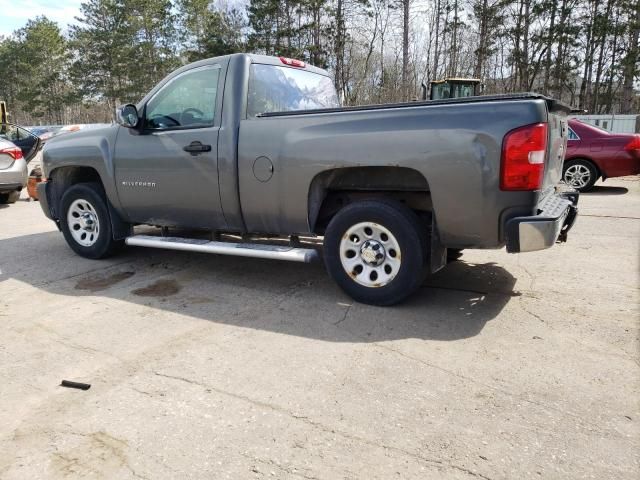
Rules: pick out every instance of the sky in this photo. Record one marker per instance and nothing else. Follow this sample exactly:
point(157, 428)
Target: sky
point(15, 13)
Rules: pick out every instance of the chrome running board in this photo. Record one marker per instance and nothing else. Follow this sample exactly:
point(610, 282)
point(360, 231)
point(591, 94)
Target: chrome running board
point(275, 252)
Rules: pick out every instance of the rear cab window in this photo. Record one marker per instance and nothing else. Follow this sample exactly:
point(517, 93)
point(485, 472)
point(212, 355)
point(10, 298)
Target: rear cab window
point(274, 88)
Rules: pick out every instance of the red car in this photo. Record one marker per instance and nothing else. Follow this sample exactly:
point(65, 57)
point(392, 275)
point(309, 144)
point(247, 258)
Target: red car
point(593, 153)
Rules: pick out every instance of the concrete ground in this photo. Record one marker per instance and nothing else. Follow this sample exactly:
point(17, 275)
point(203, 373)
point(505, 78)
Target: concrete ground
point(503, 366)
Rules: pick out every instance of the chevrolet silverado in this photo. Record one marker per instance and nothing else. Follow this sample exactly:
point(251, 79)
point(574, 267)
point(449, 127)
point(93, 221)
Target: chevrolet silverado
point(259, 147)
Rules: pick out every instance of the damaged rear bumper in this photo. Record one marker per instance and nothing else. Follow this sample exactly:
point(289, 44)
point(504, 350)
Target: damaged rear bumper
point(555, 216)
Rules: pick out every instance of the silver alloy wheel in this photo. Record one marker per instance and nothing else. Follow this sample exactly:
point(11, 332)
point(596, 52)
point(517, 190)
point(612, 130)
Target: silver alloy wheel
point(83, 222)
point(370, 254)
point(577, 175)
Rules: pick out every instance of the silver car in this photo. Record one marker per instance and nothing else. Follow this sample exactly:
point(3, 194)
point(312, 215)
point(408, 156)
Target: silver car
point(17, 147)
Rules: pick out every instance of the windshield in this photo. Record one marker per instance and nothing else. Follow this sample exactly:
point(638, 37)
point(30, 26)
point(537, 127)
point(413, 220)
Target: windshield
point(282, 89)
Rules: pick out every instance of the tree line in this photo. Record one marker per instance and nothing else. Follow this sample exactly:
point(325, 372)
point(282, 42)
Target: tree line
point(584, 52)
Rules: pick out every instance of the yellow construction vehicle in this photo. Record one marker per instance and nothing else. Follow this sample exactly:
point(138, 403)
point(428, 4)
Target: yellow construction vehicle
point(455, 88)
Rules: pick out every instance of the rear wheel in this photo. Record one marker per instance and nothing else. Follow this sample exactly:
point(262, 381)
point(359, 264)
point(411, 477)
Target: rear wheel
point(376, 251)
point(11, 197)
point(580, 174)
point(85, 221)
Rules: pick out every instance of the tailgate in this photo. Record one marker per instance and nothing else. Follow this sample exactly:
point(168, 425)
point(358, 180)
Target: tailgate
point(558, 129)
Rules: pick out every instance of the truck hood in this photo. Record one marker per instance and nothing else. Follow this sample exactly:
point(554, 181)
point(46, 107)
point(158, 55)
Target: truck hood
point(82, 133)
point(90, 147)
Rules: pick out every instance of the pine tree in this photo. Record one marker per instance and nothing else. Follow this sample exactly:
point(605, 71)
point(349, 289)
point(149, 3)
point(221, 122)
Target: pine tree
point(33, 63)
point(105, 50)
point(11, 77)
point(631, 60)
point(209, 31)
point(488, 16)
point(154, 29)
point(265, 21)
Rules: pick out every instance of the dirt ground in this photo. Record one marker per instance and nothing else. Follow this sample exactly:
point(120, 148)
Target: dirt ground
point(201, 366)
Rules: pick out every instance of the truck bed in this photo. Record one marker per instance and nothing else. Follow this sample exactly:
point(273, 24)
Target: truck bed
point(552, 104)
point(454, 144)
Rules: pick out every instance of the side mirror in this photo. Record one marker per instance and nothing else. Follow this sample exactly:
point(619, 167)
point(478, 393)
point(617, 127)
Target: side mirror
point(127, 116)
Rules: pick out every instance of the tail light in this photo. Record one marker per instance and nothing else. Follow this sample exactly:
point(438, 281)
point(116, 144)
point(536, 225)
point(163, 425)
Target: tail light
point(523, 152)
point(13, 152)
point(634, 144)
point(8, 156)
point(292, 62)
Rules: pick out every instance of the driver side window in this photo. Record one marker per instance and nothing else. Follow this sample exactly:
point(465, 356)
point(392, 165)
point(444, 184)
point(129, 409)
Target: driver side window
point(187, 101)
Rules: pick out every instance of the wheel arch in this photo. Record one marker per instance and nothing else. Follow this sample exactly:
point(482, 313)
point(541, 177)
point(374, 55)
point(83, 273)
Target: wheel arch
point(334, 188)
point(61, 178)
point(407, 255)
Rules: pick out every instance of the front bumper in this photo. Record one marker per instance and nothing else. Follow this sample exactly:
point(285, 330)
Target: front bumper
point(556, 215)
point(43, 198)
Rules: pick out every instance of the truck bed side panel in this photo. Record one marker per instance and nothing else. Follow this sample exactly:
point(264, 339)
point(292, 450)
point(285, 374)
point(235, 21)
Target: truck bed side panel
point(456, 147)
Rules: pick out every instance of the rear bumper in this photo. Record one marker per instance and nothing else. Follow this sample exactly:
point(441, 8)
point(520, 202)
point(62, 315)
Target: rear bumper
point(556, 215)
point(14, 177)
point(10, 187)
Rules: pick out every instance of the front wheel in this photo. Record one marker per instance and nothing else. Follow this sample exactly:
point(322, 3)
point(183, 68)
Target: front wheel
point(580, 174)
point(85, 221)
point(376, 251)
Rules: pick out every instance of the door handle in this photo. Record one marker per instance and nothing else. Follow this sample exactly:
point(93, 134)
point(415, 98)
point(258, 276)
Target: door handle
point(194, 148)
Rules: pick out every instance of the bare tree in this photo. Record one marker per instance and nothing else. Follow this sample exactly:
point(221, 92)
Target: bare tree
point(631, 63)
point(406, 7)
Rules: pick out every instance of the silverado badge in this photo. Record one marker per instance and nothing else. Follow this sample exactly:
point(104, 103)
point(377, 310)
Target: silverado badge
point(139, 184)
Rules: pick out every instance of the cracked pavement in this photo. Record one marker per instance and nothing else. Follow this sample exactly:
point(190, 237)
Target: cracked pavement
point(502, 366)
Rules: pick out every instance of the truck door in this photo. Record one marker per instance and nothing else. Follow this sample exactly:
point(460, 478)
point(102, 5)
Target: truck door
point(22, 138)
point(166, 171)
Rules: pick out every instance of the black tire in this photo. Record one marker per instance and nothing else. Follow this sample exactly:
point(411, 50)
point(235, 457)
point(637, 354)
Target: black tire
point(453, 254)
point(93, 193)
point(10, 197)
point(407, 230)
point(585, 166)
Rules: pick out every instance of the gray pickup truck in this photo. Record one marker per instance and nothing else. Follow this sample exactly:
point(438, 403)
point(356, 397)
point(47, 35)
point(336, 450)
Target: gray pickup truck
point(248, 147)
